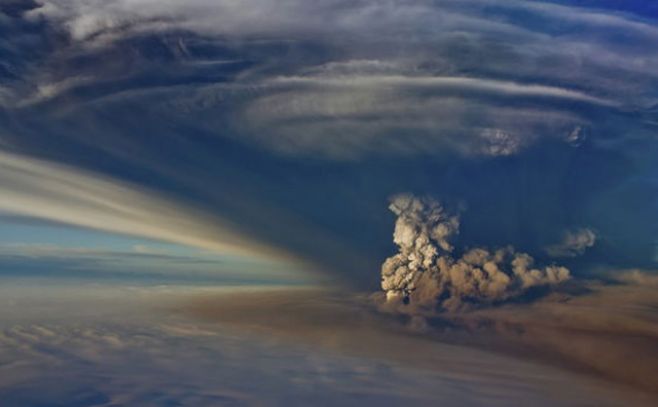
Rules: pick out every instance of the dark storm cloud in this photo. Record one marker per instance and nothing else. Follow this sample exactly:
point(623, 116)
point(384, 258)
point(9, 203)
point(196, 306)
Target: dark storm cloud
point(295, 119)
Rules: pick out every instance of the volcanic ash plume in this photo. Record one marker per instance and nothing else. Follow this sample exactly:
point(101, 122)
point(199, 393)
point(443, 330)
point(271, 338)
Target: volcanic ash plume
point(425, 274)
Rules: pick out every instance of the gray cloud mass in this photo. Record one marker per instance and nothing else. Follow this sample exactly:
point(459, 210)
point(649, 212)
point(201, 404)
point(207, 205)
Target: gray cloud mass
point(574, 243)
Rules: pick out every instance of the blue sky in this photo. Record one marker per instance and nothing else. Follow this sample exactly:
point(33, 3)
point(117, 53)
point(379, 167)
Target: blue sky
point(56, 252)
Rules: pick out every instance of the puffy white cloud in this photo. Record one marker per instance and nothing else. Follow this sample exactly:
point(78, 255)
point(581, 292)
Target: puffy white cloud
point(498, 142)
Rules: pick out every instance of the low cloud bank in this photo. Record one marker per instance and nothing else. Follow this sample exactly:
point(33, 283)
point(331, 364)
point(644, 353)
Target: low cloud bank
point(606, 333)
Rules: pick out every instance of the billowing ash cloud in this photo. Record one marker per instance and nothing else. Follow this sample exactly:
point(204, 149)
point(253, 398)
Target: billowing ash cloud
point(574, 243)
point(426, 274)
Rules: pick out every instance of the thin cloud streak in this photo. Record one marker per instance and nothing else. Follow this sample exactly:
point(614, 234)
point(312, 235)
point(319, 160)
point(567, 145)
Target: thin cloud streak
point(476, 84)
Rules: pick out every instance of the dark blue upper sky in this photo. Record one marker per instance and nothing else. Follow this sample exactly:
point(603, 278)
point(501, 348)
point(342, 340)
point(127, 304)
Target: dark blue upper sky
point(283, 127)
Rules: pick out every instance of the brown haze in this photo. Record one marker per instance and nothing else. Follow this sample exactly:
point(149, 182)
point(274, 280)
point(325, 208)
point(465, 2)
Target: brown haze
point(609, 331)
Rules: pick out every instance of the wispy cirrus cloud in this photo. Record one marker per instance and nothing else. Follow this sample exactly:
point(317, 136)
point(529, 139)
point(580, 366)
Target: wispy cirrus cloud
point(424, 60)
point(54, 192)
